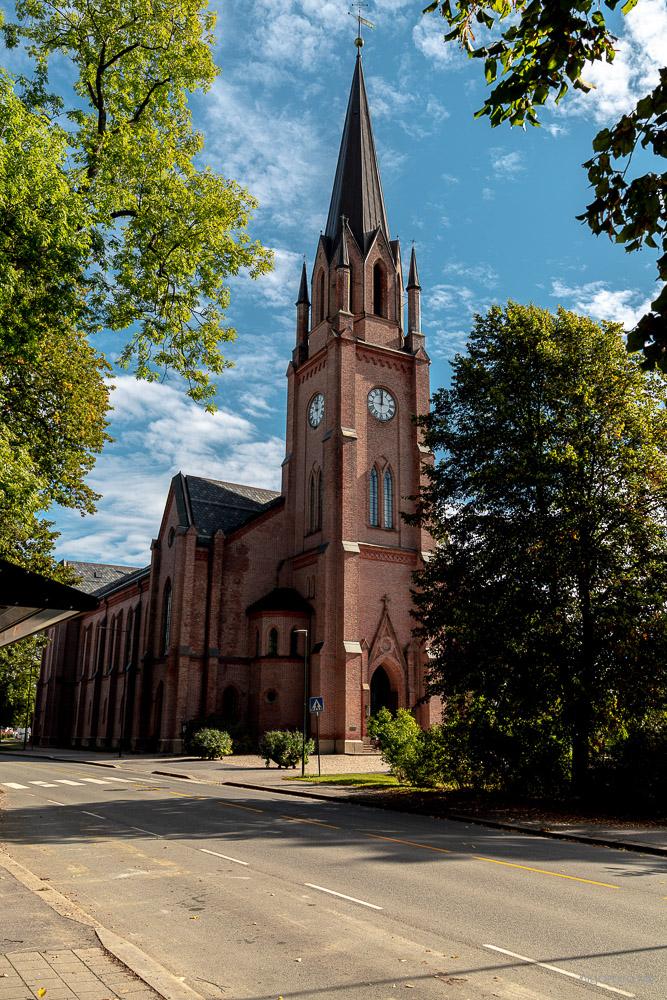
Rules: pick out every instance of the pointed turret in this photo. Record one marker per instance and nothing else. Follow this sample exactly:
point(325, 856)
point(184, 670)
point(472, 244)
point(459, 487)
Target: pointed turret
point(303, 288)
point(413, 277)
point(357, 190)
point(415, 338)
point(302, 319)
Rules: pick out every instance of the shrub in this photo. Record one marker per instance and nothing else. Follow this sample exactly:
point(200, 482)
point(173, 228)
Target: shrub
point(283, 747)
point(211, 744)
point(414, 756)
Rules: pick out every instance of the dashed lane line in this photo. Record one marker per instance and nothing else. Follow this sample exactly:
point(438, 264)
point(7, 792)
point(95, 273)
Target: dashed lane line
point(225, 856)
point(66, 781)
point(562, 972)
point(341, 895)
point(96, 815)
point(96, 781)
point(44, 784)
point(13, 784)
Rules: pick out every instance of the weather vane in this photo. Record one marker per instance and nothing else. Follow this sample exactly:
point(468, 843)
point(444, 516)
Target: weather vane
point(359, 6)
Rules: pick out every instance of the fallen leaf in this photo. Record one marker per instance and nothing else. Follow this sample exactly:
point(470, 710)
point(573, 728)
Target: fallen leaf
point(297, 959)
point(41, 992)
point(194, 918)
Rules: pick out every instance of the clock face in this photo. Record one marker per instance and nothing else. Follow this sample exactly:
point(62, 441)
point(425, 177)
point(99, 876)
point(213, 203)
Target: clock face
point(316, 410)
point(381, 403)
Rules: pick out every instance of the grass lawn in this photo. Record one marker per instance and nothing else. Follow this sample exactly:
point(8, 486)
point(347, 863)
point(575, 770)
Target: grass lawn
point(352, 780)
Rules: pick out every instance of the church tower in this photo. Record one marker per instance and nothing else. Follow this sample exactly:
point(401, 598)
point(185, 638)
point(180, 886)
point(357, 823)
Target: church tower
point(353, 454)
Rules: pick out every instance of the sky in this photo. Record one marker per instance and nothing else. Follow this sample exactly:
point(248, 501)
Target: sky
point(491, 211)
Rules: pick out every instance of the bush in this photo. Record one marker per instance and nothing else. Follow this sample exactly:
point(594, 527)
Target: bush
point(211, 744)
point(283, 747)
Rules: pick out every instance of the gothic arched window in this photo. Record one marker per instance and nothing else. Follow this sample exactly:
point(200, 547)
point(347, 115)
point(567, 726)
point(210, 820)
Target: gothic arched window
point(320, 297)
point(273, 643)
point(315, 501)
point(388, 497)
point(257, 642)
point(129, 639)
point(293, 643)
point(166, 618)
point(379, 289)
point(373, 498)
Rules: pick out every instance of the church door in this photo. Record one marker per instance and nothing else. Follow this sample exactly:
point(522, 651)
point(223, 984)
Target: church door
point(382, 695)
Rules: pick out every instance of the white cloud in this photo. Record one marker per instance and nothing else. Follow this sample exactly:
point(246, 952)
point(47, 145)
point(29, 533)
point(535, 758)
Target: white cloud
point(641, 52)
point(278, 288)
point(507, 165)
point(428, 37)
point(279, 157)
point(480, 272)
point(158, 432)
point(597, 300)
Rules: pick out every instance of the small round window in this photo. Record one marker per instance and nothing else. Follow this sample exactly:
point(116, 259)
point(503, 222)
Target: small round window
point(271, 696)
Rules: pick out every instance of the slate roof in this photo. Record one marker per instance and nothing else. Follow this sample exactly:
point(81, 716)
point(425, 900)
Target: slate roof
point(94, 577)
point(281, 599)
point(213, 505)
point(357, 189)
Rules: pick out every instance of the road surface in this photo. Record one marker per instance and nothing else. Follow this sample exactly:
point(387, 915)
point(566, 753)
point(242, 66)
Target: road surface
point(252, 894)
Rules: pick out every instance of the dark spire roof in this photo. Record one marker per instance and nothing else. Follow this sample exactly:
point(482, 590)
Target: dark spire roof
point(303, 287)
point(357, 191)
point(413, 277)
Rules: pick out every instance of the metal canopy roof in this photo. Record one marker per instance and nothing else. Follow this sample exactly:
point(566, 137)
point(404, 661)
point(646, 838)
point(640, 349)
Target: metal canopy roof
point(30, 602)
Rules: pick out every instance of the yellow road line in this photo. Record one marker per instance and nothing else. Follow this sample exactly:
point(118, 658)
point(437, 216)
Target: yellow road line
point(543, 871)
point(236, 805)
point(311, 822)
point(410, 843)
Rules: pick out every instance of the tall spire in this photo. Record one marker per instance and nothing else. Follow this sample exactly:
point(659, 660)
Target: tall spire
point(357, 190)
point(413, 277)
point(303, 287)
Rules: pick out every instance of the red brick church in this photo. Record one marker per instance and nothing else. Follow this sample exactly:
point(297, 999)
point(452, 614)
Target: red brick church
point(211, 626)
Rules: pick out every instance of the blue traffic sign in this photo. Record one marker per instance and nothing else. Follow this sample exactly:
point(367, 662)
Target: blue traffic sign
point(316, 704)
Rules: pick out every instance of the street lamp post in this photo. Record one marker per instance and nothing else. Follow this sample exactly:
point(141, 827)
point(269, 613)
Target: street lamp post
point(304, 633)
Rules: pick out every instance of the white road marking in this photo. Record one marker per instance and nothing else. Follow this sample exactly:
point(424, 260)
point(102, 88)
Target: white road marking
point(54, 802)
point(225, 856)
point(66, 781)
point(43, 784)
point(96, 815)
point(342, 895)
point(96, 781)
point(562, 972)
point(13, 784)
point(141, 830)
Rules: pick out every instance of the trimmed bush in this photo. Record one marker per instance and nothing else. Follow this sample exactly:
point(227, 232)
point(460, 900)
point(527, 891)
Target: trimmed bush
point(283, 747)
point(211, 744)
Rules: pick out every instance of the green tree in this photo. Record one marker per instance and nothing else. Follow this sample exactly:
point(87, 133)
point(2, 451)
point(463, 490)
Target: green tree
point(543, 606)
point(18, 680)
point(533, 49)
point(162, 233)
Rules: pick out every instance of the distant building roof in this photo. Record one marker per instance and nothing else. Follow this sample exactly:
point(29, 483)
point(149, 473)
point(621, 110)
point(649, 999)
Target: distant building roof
point(95, 577)
point(213, 505)
point(281, 599)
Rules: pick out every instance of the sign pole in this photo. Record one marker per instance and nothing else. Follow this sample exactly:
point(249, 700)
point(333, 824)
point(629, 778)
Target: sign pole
point(319, 763)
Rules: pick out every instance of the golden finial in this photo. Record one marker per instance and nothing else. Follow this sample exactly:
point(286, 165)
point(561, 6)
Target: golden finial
point(359, 5)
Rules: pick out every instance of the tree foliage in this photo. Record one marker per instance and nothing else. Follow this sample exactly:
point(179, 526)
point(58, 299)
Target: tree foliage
point(533, 50)
point(163, 233)
point(543, 606)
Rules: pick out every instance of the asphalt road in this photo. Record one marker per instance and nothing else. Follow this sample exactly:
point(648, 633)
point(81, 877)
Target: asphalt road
point(251, 894)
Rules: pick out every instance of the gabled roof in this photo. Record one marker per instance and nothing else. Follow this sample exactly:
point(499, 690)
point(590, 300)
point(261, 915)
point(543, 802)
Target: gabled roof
point(281, 599)
point(212, 505)
point(94, 577)
point(357, 190)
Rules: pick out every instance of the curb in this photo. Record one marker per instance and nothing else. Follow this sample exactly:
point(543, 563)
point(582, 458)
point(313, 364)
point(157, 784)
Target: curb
point(632, 846)
point(145, 968)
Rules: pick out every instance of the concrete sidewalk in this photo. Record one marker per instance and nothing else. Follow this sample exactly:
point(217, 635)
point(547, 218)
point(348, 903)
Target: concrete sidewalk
point(250, 772)
point(41, 950)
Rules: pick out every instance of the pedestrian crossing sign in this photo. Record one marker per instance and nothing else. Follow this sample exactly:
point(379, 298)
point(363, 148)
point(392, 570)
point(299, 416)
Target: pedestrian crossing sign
point(316, 704)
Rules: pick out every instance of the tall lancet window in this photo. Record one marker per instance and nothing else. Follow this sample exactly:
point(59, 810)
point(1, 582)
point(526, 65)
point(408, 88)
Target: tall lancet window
point(388, 496)
point(166, 617)
point(320, 297)
point(373, 498)
point(379, 290)
point(315, 501)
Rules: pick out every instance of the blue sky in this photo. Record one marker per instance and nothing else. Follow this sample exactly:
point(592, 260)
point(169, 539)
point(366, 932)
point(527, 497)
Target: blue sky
point(492, 213)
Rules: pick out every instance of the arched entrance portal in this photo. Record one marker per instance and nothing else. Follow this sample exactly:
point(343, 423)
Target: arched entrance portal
point(382, 695)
